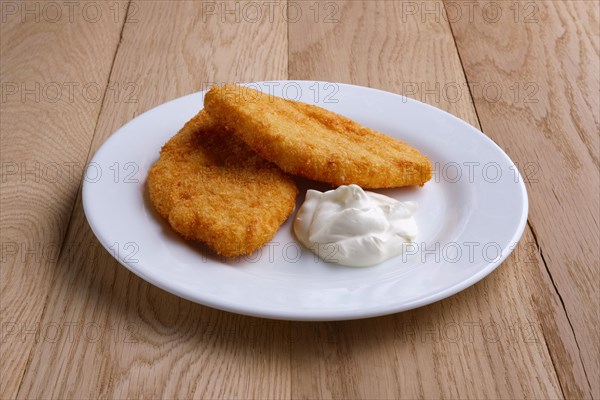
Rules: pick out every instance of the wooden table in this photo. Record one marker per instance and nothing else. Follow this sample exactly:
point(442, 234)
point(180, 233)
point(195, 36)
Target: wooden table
point(75, 324)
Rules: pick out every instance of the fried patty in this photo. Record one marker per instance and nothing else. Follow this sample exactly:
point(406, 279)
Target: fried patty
point(212, 188)
point(315, 143)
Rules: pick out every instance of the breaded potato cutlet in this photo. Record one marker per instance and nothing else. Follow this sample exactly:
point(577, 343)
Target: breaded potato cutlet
point(315, 143)
point(211, 187)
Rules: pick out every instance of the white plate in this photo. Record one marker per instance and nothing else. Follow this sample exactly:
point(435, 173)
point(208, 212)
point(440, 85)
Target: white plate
point(470, 215)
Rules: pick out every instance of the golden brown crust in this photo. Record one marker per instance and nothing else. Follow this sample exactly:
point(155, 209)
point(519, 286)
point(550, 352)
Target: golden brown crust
point(309, 141)
point(213, 188)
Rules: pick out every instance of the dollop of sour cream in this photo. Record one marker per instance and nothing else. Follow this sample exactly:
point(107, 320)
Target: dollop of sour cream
point(355, 228)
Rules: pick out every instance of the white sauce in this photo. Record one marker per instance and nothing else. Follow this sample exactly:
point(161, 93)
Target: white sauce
point(353, 227)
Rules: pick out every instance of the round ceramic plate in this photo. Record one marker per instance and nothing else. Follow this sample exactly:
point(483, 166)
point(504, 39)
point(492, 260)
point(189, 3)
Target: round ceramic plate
point(470, 216)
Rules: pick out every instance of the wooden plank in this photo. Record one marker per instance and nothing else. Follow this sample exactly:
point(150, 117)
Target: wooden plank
point(132, 340)
point(486, 342)
point(107, 333)
point(544, 57)
point(54, 68)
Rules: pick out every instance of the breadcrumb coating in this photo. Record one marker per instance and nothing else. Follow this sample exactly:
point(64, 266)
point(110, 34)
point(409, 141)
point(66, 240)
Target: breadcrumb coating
point(212, 188)
point(315, 143)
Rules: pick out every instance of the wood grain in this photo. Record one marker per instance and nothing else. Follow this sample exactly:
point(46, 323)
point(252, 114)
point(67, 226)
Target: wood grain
point(135, 340)
point(419, 354)
point(551, 131)
point(54, 71)
point(75, 324)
